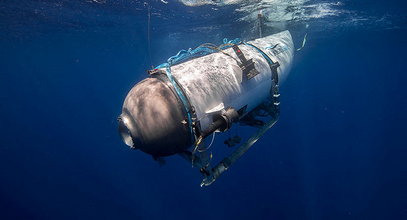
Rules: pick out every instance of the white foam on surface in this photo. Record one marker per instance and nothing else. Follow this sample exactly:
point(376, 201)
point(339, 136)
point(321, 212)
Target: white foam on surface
point(276, 10)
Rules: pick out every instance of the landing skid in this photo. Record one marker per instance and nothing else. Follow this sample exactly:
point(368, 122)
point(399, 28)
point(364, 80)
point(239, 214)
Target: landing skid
point(211, 174)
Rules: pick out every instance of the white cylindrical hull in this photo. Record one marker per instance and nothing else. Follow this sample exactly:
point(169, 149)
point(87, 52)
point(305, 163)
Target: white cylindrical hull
point(156, 117)
point(215, 80)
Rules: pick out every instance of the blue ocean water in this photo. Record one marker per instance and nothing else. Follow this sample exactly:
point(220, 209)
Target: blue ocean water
point(338, 151)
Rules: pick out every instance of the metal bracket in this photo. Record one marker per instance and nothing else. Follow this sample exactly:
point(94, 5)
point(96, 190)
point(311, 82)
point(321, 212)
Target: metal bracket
point(155, 72)
point(247, 66)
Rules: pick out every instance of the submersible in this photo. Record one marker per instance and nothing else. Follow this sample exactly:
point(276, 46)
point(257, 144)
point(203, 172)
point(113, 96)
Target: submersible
point(206, 90)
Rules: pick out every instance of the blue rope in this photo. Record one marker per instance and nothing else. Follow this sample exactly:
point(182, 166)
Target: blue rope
point(203, 50)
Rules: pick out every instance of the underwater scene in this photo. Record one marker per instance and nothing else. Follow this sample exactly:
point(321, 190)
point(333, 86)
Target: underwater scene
point(203, 109)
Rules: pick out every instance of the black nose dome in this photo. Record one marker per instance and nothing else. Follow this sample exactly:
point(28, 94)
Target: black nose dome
point(152, 119)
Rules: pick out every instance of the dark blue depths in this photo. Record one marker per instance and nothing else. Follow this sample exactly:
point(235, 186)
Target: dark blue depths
point(338, 151)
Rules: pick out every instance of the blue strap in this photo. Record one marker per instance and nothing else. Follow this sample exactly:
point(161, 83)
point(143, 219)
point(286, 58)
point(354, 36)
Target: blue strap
point(181, 96)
